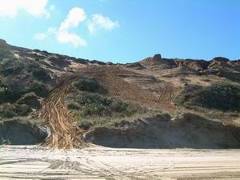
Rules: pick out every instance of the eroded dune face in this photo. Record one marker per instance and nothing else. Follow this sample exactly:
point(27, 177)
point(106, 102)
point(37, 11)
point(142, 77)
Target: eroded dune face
point(189, 131)
point(19, 133)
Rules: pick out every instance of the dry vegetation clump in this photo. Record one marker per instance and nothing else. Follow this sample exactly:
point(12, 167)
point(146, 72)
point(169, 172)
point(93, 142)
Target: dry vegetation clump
point(64, 134)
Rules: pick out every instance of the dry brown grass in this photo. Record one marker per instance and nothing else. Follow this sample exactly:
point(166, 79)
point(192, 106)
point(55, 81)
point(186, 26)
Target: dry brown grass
point(112, 79)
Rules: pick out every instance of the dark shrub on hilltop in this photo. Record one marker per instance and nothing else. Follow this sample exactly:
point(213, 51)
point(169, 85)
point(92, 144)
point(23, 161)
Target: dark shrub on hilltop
point(5, 50)
point(222, 59)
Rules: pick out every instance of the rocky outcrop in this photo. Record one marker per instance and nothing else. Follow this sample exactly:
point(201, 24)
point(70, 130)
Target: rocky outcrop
point(192, 66)
point(157, 60)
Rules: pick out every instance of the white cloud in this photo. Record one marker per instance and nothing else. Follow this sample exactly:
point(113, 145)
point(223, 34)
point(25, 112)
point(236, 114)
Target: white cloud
point(74, 19)
point(99, 21)
point(75, 16)
point(40, 36)
point(70, 38)
point(11, 8)
point(62, 34)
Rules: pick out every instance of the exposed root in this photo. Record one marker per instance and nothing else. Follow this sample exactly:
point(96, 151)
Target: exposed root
point(64, 134)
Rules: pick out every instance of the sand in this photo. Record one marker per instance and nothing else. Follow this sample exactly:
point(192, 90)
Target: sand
point(34, 162)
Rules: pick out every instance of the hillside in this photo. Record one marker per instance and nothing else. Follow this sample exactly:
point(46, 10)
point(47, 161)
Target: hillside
point(153, 103)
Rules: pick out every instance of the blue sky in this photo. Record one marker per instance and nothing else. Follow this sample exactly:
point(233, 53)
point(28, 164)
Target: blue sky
point(124, 30)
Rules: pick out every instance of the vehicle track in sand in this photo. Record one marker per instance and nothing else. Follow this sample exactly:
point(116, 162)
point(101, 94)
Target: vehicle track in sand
point(32, 162)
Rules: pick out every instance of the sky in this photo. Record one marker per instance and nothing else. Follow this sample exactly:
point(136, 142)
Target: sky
point(124, 30)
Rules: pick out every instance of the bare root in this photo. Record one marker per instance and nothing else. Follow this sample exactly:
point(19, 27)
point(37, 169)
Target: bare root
point(64, 134)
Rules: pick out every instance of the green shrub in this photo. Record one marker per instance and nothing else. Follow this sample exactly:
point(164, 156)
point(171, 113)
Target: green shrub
point(7, 111)
point(8, 95)
point(22, 109)
point(39, 89)
point(11, 67)
point(94, 105)
point(31, 99)
point(186, 94)
point(89, 85)
point(221, 96)
point(231, 75)
point(97, 105)
point(41, 75)
point(85, 125)
point(73, 106)
point(11, 93)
